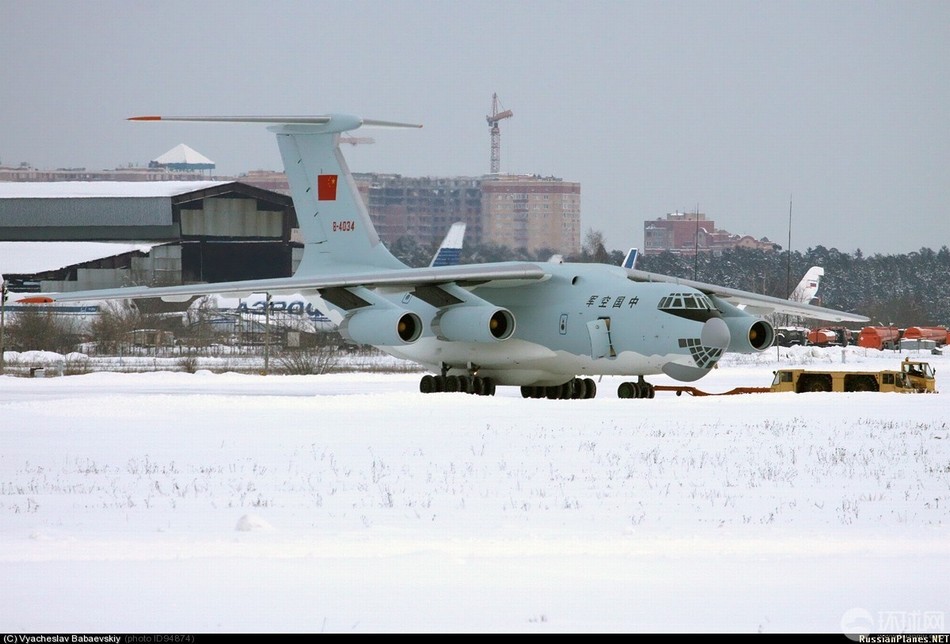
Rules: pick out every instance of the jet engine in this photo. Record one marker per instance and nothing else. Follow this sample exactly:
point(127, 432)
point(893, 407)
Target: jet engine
point(382, 327)
point(474, 324)
point(749, 334)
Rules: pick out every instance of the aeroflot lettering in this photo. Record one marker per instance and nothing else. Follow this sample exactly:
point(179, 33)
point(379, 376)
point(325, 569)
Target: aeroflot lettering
point(292, 308)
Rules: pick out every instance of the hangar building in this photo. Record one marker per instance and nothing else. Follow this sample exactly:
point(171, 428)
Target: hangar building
point(201, 231)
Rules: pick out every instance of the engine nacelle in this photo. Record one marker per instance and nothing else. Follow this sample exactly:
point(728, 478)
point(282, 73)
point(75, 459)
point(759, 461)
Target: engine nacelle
point(749, 334)
point(474, 324)
point(382, 327)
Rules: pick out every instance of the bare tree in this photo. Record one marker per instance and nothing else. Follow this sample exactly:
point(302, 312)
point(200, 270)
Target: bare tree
point(113, 324)
point(41, 329)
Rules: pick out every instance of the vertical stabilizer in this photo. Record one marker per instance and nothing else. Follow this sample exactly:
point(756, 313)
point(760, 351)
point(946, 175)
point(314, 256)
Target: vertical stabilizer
point(450, 252)
point(807, 289)
point(336, 229)
point(630, 261)
point(335, 225)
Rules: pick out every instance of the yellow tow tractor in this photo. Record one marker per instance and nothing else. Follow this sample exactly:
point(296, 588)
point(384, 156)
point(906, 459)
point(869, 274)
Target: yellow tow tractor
point(915, 376)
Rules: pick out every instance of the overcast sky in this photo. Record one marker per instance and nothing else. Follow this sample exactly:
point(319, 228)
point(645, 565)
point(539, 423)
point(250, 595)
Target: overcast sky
point(840, 110)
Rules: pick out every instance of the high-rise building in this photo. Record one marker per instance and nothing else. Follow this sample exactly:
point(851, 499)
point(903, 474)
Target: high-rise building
point(532, 212)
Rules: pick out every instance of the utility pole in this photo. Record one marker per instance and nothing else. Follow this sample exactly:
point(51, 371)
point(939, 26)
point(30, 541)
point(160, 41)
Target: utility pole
point(266, 332)
point(3, 311)
point(788, 263)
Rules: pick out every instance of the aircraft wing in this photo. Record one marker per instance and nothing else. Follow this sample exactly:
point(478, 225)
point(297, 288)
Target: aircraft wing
point(753, 302)
point(466, 276)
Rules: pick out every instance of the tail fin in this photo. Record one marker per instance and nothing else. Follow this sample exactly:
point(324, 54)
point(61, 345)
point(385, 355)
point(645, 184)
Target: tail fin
point(337, 231)
point(630, 261)
point(450, 252)
point(807, 289)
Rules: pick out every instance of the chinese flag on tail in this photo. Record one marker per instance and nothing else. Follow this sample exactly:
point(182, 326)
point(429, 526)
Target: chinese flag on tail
point(326, 187)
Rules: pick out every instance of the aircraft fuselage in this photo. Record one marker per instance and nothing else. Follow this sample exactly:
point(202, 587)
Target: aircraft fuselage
point(585, 319)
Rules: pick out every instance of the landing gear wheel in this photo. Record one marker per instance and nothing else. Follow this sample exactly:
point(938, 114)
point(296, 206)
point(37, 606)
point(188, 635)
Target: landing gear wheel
point(579, 389)
point(591, 388)
point(478, 386)
point(451, 384)
point(427, 384)
point(639, 389)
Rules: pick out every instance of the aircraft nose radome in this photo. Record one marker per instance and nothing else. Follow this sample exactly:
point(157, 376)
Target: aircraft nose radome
point(715, 334)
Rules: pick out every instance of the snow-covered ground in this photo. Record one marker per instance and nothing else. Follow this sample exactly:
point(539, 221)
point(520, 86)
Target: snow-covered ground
point(173, 502)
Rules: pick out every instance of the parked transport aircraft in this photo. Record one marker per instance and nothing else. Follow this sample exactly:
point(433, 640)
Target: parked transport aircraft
point(77, 316)
point(807, 289)
point(547, 327)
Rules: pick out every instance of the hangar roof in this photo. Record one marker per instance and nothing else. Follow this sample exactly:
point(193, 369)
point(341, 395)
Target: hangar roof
point(111, 210)
point(76, 189)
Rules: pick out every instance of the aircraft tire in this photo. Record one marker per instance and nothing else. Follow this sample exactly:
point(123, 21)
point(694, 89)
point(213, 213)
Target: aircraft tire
point(626, 390)
point(591, 388)
point(465, 384)
point(527, 391)
point(578, 389)
point(427, 384)
point(451, 384)
point(478, 386)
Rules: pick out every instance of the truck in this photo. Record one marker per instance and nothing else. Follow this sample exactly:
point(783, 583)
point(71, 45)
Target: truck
point(879, 337)
point(830, 336)
point(914, 376)
point(937, 334)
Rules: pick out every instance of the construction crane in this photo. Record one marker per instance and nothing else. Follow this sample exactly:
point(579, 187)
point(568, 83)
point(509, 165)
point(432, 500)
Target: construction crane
point(493, 119)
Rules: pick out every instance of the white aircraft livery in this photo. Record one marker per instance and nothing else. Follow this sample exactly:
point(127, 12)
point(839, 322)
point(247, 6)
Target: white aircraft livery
point(78, 316)
point(807, 289)
point(546, 327)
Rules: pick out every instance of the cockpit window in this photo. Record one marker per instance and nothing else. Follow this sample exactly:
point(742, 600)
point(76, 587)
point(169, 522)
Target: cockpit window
point(685, 301)
point(693, 306)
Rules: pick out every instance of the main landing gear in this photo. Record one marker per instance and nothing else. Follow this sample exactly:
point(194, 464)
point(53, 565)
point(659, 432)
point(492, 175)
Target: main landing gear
point(574, 389)
point(464, 384)
point(639, 389)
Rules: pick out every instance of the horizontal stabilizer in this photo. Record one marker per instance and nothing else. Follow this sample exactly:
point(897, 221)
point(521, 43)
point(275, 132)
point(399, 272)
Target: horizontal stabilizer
point(325, 119)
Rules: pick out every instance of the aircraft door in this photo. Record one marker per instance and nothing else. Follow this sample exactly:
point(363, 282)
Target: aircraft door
point(600, 343)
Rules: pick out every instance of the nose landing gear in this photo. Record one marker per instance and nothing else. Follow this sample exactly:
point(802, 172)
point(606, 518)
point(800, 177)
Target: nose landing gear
point(639, 389)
